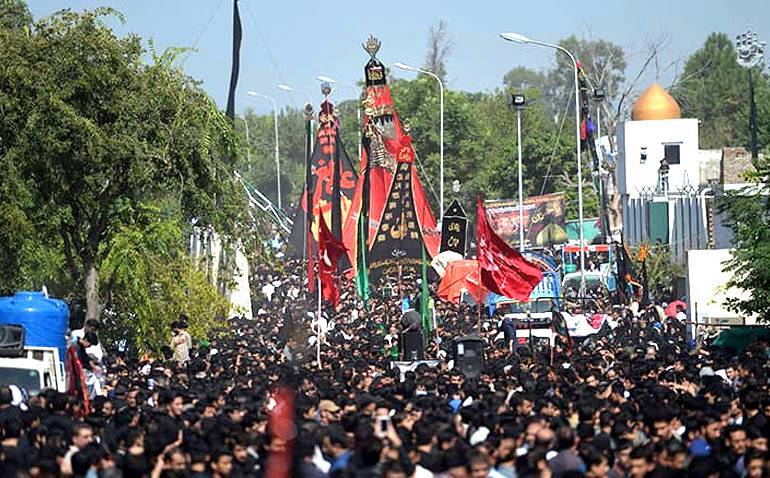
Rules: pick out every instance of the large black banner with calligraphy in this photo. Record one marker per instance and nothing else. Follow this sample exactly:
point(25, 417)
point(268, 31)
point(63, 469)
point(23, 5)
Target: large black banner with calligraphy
point(454, 229)
point(327, 152)
point(397, 248)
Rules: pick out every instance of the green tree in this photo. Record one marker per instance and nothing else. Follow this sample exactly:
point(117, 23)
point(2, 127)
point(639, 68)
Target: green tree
point(261, 169)
point(14, 14)
point(748, 215)
point(715, 89)
point(521, 78)
point(151, 281)
point(93, 129)
point(663, 273)
point(603, 62)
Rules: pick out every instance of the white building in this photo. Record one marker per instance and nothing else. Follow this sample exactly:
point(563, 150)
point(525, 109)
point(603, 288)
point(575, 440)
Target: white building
point(659, 176)
point(659, 149)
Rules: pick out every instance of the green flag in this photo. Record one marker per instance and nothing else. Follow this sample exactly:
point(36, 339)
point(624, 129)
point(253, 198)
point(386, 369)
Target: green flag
point(362, 277)
point(426, 323)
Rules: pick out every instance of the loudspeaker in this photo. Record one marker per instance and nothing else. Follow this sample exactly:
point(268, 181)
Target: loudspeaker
point(469, 355)
point(11, 340)
point(412, 346)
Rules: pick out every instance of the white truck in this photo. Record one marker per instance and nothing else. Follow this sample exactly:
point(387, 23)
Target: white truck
point(37, 369)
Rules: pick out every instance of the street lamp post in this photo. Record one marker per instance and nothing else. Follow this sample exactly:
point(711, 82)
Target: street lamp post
point(275, 128)
point(518, 102)
point(288, 89)
point(750, 53)
point(353, 87)
point(404, 66)
point(518, 38)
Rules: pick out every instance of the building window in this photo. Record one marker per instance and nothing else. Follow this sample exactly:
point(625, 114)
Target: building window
point(643, 155)
point(671, 153)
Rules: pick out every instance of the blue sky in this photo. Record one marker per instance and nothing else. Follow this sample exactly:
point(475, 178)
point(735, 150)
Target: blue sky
point(292, 42)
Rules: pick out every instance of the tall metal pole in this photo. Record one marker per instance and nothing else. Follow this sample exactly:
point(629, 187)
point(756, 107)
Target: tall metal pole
point(308, 196)
point(277, 156)
point(358, 127)
point(752, 118)
point(521, 184)
point(518, 38)
point(579, 176)
point(441, 148)
point(579, 163)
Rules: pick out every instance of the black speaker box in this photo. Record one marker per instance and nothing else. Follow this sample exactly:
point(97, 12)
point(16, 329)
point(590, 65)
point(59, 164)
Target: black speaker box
point(469, 355)
point(412, 346)
point(11, 340)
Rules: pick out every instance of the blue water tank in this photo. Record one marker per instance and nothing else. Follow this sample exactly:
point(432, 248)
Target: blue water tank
point(45, 320)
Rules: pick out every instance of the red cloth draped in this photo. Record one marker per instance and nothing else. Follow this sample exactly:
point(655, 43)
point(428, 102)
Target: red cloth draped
point(282, 430)
point(76, 379)
point(504, 270)
point(329, 251)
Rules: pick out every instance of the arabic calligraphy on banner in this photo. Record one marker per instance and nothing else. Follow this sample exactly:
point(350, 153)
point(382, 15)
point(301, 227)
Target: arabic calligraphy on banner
point(543, 217)
point(454, 229)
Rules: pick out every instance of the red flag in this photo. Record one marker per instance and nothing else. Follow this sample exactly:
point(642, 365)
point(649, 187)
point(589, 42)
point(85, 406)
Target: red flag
point(282, 429)
point(329, 251)
point(504, 270)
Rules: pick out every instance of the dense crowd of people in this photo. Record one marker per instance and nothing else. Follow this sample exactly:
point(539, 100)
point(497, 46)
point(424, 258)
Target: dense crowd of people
point(634, 400)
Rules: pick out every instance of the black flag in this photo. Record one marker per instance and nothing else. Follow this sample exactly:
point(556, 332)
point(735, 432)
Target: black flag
point(237, 37)
point(454, 229)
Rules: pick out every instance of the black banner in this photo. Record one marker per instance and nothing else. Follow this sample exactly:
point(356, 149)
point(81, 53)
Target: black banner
point(237, 37)
point(397, 248)
point(454, 229)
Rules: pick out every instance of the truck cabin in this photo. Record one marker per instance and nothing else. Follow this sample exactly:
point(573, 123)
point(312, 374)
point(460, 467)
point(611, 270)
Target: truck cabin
point(532, 320)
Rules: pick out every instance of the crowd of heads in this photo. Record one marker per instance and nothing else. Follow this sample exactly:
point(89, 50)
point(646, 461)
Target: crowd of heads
point(636, 400)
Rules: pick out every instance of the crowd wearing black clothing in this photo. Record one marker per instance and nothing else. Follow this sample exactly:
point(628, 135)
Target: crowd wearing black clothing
point(634, 401)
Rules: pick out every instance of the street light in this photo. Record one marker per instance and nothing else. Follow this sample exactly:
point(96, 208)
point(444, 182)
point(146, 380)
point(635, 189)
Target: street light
point(309, 103)
point(275, 128)
point(518, 101)
point(327, 79)
point(521, 39)
point(750, 53)
point(404, 66)
point(289, 89)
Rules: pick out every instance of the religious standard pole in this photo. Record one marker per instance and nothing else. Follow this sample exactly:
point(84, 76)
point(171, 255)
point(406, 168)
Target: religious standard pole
point(318, 326)
point(308, 236)
point(518, 103)
point(750, 54)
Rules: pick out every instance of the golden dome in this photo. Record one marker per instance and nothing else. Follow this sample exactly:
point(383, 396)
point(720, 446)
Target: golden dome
point(655, 104)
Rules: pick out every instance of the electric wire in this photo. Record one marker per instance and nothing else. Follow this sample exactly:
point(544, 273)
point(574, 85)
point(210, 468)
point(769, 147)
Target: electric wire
point(208, 23)
point(269, 53)
point(556, 142)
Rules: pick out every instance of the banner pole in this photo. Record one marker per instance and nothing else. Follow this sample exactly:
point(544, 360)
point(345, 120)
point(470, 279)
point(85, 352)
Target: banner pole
point(479, 304)
point(318, 326)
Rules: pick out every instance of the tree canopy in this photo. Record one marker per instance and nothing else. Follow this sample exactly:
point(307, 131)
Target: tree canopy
point(93, 133)
point(715, 89)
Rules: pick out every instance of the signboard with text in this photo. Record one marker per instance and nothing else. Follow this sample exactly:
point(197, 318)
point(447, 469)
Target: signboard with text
point(543, 217)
